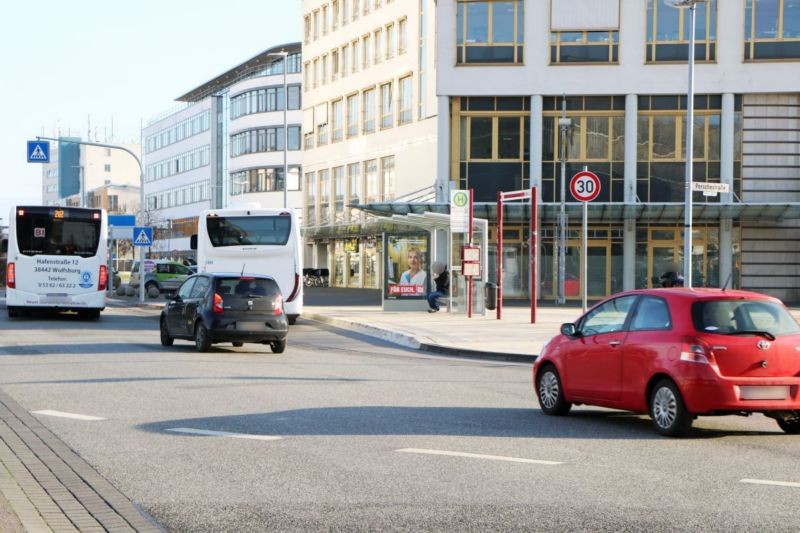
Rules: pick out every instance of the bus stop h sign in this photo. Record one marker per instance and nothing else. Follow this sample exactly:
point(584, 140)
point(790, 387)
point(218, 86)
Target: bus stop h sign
point(585, 186)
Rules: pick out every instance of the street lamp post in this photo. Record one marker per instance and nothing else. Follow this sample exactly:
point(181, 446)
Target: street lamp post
point(687, 212)
point(284, 55)
point(564, 123)
point(141, 196)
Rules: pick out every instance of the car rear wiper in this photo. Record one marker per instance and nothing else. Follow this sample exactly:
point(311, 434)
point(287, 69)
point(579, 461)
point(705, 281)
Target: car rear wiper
point(255, 296)
point(766, 334)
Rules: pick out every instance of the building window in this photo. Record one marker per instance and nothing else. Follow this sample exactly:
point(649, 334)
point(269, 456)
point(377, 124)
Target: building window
point(390, 41)
point(263, 140)
point(354, 50)
point(356, 190)
point(324, 196)
point(387, 114)
point(337, 121)
point(595, 139)
point(490, 31)
point(388, 178)
point(316, 24)
point(772, 30)
point(345, 59)
point(668, 32)
point(325, 19)
point(338, 195)
point(345, 11)
point(402, 36)
point(584, 47)
point(378, 42)
point(661, 154)
point(493, 148)
point(335, 15)
point(373, 185)
point(307, 29)
point(334, 64)
point(310, 214)
point(405, 100)
point(366, 51)
point(368, 111)
point(352, 115)
point(264, 179)
point(324, 69)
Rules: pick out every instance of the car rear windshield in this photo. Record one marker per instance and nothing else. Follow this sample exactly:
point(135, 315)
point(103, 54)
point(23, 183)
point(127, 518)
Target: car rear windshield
point(249, 230)
point(246, 287)
point(734, 317)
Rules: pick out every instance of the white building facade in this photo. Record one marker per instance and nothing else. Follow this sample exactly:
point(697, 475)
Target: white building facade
point(504, 70)
point(369, 125)
point(225, 145)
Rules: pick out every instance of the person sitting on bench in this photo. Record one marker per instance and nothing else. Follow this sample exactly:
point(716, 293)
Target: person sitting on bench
point(442, 281)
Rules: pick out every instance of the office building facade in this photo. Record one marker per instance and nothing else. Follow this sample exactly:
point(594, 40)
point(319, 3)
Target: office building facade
point(223, 145)
point(506, 68)
point(369, 127)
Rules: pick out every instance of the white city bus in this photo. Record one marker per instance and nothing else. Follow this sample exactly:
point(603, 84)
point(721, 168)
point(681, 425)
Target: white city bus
point(57, 260)
point(254, 240)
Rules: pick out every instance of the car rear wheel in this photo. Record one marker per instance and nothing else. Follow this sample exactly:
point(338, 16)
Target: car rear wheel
point(551, 393)
point(150, 285)
point(166, 339)
point(278, 346)
point(790, 424)
point(202, 340)
point(669, 414)
point(292, 319)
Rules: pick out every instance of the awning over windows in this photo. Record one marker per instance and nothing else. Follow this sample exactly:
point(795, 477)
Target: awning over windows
point(651, 213)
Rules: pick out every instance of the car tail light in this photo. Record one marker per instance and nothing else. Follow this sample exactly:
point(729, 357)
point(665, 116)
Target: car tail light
point(296, 289)
point(277, 305)
point(694, 351)
point(217, 304)
point(11, 276)
point(102, 280)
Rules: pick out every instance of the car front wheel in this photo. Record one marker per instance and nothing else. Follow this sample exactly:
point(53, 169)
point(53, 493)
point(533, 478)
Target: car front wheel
point(202, 340)
point(669, 414)
point(551, 392)
point(790, 424)
point(166, 339)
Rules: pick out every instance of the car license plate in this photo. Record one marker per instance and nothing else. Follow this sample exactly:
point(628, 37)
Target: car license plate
point(249, 326)
point(765, 392)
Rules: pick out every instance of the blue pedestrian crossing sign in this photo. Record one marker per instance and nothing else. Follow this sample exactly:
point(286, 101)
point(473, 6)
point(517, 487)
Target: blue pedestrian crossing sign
point(38, 151)
point(142, 236)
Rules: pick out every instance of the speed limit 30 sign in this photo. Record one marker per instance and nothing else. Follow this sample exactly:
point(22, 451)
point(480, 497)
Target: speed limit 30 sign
point(585, 186)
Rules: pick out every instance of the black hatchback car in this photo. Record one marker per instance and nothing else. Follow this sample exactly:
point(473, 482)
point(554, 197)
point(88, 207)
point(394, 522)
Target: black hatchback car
point(211, 308)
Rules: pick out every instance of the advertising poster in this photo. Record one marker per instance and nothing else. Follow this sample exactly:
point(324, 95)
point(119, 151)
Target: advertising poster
point(407, 265)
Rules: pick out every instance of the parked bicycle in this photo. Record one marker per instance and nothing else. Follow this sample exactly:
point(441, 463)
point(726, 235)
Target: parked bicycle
point(316, 277)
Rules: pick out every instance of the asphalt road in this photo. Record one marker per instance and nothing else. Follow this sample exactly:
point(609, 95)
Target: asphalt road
point(346, 433)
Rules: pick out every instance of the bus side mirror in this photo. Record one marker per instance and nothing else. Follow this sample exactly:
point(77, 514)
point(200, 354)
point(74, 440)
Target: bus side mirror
point(193, 242)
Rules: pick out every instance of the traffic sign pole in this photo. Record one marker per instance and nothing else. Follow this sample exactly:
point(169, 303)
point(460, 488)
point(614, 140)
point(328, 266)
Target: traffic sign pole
point(585, 187)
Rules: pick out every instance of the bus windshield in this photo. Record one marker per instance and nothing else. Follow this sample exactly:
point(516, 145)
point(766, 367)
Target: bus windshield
point(58, 231)
point(249, 230)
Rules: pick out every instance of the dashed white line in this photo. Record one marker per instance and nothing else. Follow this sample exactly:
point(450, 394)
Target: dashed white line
point(768, 482)
point(479, 456)
point(210, 433)
point(61, 414)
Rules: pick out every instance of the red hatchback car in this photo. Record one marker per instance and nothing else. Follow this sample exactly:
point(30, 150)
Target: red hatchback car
point(677, 354)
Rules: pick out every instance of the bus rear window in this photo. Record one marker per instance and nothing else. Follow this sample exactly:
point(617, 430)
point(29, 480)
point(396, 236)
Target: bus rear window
point(58, 231)
point(249, 230)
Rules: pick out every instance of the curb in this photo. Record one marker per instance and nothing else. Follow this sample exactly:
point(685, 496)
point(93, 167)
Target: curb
point(409, 341)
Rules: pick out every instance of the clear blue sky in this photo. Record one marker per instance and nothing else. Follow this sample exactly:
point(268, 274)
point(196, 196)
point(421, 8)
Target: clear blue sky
point(63, 63)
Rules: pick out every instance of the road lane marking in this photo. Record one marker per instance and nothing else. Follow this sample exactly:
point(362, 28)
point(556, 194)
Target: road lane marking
point(768, 482)
point(61, 414)
point(210, 433)
point(479, 456)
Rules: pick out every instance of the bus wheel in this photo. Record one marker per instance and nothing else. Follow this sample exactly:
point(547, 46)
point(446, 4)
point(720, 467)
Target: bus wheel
point(292, 319)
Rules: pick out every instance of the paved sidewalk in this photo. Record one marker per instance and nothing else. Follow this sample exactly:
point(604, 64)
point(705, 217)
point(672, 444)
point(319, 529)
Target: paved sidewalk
point(513, 338)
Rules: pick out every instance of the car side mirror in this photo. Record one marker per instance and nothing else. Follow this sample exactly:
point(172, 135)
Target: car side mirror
point(193, 242)
point(569, 330)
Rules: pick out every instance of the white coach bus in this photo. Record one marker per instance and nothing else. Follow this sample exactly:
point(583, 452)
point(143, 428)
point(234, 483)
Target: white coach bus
point(57, 260)
point(254, 240)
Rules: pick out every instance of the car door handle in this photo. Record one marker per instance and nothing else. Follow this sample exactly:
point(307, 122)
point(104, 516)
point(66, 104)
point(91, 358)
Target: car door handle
point(614, 343)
